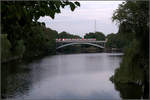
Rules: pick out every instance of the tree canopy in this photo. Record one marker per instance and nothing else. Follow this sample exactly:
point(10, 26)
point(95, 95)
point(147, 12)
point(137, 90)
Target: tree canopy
point(133, 20)
point(67, 35)
point(19, 24)
point(97, 35)
point(19, 16)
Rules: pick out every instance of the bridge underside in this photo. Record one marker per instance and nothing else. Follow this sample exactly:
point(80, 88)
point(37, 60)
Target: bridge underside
point(92, 44)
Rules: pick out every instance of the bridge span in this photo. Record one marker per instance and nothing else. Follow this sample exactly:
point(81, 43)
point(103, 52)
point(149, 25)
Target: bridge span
point(66, 42)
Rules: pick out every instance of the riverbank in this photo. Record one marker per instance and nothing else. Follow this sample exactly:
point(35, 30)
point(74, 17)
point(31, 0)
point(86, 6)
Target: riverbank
point(25, 51)
point(56, 53)
point(11, 59)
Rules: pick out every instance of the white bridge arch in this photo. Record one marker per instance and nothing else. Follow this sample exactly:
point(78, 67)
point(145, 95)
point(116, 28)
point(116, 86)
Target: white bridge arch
point(74, 43)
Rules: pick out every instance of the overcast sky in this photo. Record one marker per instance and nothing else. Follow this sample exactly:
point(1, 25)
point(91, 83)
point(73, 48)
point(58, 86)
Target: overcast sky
point(82, 20)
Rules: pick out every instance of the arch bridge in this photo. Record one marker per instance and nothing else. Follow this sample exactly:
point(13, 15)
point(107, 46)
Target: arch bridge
point(60, 43)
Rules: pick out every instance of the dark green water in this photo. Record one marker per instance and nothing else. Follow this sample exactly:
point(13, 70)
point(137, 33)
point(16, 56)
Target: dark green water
point(72, 76)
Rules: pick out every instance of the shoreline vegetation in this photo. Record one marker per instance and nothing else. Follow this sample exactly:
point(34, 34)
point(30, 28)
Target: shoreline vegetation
point(8, 55)
point(133, 20)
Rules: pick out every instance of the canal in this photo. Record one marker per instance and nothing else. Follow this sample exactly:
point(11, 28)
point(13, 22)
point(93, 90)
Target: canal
point(71, 76)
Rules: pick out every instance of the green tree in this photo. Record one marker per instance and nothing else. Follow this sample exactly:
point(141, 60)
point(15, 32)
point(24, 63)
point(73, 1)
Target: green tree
point(112, 41)
point(97, 35)
point(117, 40)
point(19, 22)
point(5, 47)
point(67, 35)
point(133, 18)
point(42, 39)
point(50, 36)
point(18, 17)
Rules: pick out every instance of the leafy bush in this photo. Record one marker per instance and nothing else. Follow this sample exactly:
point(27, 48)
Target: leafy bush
point(130, 69)
point(19, 49)
point(5, 47)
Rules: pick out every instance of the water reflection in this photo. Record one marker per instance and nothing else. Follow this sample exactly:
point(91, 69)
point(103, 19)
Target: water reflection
point(79, 76)
point(15, 79)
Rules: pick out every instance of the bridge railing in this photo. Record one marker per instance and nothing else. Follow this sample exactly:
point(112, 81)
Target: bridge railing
point(82, 39)
point(63, 40)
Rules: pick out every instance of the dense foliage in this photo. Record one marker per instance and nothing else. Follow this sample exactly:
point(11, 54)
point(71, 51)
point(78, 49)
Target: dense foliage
point(40, 42)
point(133, 20)
point(97, 35)
point(117, 40)
point(5, 53)
point(25, 34)
point(67, 35)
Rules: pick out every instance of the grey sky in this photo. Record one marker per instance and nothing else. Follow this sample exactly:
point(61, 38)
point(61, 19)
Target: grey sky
point(82, 20)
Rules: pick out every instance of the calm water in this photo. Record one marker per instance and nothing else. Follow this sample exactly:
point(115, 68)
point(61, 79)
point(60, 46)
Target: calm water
point(73, 76)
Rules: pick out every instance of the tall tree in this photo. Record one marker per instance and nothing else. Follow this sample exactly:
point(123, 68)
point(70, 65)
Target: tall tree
point(97, 35)
point(19, 16)
point(133, 18)
point(67, 35)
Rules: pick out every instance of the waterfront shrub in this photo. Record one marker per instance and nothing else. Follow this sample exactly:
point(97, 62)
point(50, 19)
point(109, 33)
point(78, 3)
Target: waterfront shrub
point(5, 47)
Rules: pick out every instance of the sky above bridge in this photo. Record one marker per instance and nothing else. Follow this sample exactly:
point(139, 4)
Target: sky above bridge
point(82, 20)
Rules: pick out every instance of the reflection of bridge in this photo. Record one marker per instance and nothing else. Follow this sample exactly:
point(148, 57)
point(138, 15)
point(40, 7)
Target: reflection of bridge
point(66, 42)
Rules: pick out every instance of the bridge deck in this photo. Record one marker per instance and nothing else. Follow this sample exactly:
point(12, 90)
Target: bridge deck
point(80, 41)
point(67, 42)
